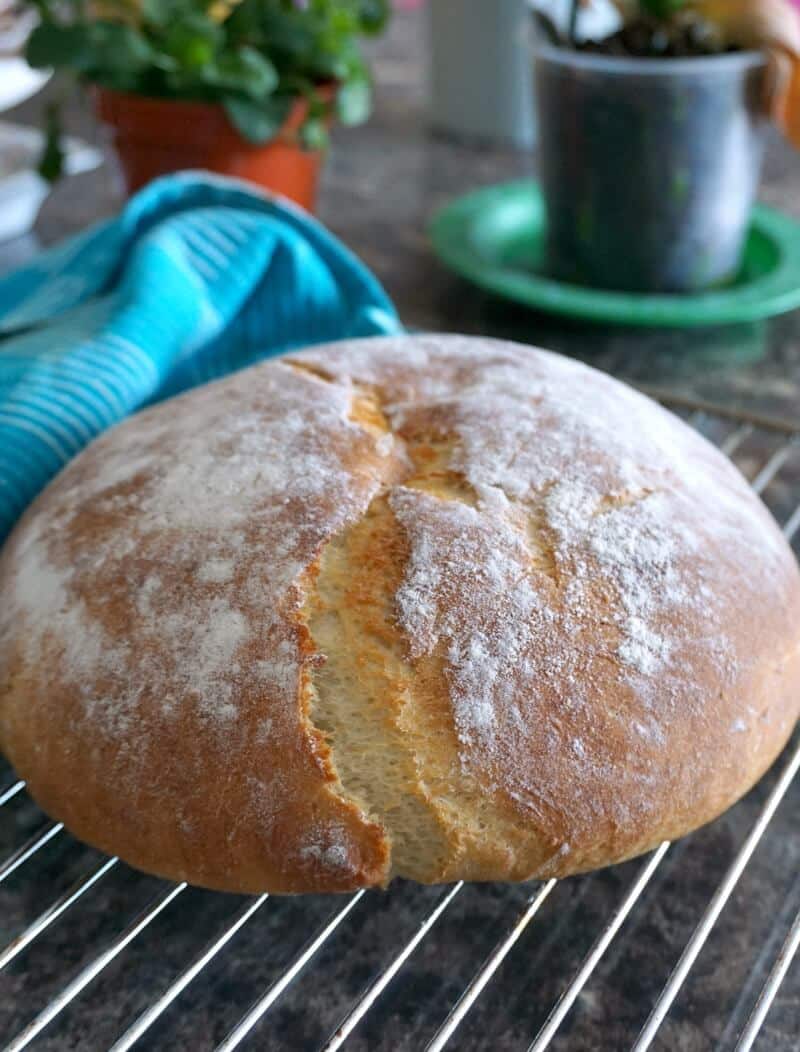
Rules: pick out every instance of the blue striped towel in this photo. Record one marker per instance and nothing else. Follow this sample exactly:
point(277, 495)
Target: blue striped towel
point(197, 277)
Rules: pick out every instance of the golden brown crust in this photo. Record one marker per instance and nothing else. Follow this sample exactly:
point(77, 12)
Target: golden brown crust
point(156, 705)
point(435, 607)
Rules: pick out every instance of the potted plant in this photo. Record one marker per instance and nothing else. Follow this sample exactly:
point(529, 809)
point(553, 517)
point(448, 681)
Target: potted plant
point(242, 87)
point(652, 139)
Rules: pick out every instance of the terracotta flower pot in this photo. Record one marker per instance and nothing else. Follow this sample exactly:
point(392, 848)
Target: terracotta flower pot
point(155, 136)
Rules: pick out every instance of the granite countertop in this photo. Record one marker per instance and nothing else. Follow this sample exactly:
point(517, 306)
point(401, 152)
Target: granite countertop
point(381, 186)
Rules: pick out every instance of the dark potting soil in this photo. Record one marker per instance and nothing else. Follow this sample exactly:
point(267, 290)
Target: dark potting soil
point(649, 38)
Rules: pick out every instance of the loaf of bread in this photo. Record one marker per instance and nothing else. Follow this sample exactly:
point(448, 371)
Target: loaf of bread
point(430, 607)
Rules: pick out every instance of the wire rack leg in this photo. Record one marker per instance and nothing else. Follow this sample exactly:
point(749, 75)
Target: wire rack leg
point(262, 1006)
point(28, 850)
point(352, 1020)
point(480, 981)
point(773, 984)
point(53, 912)
point(593, 958)
point(11, 792)
point(715, 908)
point(156, 1010)
point(91, 971)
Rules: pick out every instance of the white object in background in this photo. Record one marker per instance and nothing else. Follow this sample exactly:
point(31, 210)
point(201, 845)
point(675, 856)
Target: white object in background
point(481, 84)
point(22, 190)
point(19, 82)
point(600, 19)
point(15, 26)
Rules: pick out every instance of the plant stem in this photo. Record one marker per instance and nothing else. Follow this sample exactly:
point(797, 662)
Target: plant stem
point(572, 31)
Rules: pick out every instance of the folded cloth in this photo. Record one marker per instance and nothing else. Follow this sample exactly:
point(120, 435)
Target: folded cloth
point(197, 277)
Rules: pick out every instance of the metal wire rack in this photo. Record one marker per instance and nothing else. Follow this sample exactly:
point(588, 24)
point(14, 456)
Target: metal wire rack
point(691, 948)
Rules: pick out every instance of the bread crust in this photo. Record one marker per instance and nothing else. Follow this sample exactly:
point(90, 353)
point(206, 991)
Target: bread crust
point(435, 607)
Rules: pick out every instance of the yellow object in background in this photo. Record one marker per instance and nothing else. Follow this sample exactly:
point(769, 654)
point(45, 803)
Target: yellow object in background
point(753, 23)
point(221, 10)
point(788, 115)
point(772, 26)
point(127, 11)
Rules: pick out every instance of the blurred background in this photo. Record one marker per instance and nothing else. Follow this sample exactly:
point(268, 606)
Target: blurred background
point(454, 111)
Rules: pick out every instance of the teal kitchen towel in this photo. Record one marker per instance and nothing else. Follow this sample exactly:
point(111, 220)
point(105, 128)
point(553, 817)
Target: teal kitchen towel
point(197, 277)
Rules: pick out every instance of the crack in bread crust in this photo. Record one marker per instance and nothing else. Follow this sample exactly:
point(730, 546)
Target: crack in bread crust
point(360, 691)
point(387, 714)
point(306, 369)
point(387, 717)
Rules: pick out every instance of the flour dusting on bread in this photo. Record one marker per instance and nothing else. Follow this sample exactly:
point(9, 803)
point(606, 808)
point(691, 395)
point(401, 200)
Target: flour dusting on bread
point(567, 653)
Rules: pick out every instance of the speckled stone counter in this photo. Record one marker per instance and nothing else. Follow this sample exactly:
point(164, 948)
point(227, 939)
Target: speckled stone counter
point(381, 186)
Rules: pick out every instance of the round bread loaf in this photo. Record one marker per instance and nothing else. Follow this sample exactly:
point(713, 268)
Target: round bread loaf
point(436, 608)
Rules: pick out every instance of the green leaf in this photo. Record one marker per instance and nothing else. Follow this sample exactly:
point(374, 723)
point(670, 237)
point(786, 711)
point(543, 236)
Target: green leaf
point(246, 71)
point(94, 47)
point(354, 101)
point(263, 49)
point(193, 41)
point(59, 47)
point(314, 134)
point(662, 8)
point(374, 15)
point(290, 35)
point(51, 163)
point(258, 122)
point(163, 13)
point(117, 48)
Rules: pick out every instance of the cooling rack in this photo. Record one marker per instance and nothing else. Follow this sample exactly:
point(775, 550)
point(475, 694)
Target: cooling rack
point(690, 948)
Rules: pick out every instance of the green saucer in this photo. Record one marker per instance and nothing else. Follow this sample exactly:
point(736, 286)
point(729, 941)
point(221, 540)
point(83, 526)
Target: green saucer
point(494, 238)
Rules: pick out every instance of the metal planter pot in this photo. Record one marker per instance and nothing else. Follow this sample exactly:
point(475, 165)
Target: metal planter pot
point(650, 167)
